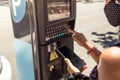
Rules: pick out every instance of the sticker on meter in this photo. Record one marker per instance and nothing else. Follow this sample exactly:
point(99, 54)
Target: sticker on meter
point(53, 56)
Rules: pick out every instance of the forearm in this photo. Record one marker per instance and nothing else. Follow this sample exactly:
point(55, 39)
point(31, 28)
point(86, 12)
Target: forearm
point(95, 54)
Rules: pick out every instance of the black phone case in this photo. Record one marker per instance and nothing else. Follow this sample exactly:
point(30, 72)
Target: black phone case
point(74, 58)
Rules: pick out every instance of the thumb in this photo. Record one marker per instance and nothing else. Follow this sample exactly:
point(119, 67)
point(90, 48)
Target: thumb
point(68, 62)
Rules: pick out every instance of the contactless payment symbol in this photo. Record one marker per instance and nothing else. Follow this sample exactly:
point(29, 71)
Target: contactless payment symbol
point(18, 8)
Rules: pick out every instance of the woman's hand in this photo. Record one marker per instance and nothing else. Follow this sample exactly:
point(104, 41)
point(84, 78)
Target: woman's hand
point(70, 67)
point(80, 39)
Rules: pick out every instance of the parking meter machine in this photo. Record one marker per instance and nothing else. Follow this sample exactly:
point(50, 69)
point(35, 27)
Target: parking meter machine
point(47, 22)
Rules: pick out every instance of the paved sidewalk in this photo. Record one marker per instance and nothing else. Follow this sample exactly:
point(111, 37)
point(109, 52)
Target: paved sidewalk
point(6, 40)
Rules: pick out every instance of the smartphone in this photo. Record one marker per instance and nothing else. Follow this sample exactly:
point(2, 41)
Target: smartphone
point(74, 58)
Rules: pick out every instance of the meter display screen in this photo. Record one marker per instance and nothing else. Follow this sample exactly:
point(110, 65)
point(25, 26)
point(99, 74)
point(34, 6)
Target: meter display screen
point(58, 9)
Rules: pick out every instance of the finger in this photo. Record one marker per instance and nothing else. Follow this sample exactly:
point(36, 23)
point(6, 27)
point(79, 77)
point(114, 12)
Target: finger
point(83, 68)
point(68, 62)
point(82, 58)
point(75, 37)
point(72, 31)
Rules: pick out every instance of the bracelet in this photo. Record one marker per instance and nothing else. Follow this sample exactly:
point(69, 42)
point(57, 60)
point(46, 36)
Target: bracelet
point(91, 50)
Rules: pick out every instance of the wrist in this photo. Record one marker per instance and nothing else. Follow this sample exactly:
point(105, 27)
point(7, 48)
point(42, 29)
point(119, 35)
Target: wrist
point(88, 46)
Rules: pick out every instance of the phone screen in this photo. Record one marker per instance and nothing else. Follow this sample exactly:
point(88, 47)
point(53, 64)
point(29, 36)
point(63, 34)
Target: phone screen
point(68, 53)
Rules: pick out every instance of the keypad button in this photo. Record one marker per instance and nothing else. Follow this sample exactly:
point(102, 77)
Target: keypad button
point(56, 31)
